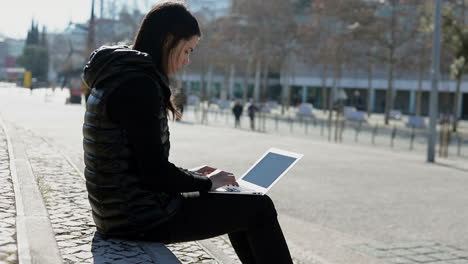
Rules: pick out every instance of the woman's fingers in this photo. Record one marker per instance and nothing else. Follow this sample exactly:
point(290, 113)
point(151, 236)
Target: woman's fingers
point(231, 180)
point(222, 179)
point(206, 170)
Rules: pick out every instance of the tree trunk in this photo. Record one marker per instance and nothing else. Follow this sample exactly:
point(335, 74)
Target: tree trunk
point(455, 104)
point(419, 92)
point(463, 12)
point(225, 86)
point(209, 83)
point(246, 80)
point(264, 86)
point(331, 97)
point(324, 89)
point(232, 74)
point(369, 90)
point(389, 95)
point(203, 85)
point(258, 69)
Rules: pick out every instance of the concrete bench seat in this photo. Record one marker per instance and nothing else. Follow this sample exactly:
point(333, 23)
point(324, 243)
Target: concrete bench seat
point(123, 251)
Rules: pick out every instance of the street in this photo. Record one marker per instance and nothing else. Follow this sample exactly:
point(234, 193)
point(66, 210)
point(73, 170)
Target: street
point(337, 204)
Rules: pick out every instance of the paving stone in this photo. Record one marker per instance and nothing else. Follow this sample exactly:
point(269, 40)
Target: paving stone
point(413, 252)
point(399, 260)
point(412, 244)
point(425, 250)
point(422, 258)
point(442, 256)
point(67, 244)
point(63, 237)
point(7, 238)
point(84, 255)
point(402, 252)
point(8, 244)
point(458, 261)
point(9, 248)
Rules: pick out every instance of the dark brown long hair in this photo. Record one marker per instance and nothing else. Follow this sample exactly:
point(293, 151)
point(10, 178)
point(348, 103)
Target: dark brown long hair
point(161, 30)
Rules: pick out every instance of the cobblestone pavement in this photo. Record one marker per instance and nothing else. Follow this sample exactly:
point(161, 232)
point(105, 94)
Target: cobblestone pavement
point(64, 193)
point(8, 246)
point(190, 252)
point(415, 252)
point(223, 244)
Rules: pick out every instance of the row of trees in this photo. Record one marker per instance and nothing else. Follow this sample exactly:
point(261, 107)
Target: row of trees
point(391, 39)
point(35, 57)
point(259, 40)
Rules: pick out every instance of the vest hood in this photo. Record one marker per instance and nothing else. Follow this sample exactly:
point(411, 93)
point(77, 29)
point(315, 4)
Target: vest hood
point(113, 61)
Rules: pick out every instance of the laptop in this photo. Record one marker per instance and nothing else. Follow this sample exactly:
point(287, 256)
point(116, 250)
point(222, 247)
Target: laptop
point(263, 174)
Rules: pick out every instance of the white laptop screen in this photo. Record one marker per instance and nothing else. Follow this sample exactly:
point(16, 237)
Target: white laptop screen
point(268, 169)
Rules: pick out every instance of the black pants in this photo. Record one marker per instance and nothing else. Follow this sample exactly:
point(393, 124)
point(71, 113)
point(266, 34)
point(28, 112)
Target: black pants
point(237, 121)
point(249, 220)
point(252, 122)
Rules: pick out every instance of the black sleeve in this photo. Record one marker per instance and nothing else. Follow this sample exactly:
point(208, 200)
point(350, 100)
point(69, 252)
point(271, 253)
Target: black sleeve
point(135, 106)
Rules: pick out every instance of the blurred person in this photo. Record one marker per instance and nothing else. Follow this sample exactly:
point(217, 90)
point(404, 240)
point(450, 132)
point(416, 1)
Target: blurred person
point(237, 111)
point(180, 100)
point(251, 110)
point(134, 190)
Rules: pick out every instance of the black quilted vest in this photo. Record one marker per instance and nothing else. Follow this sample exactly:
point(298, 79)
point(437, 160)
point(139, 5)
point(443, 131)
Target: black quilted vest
point(120, 204)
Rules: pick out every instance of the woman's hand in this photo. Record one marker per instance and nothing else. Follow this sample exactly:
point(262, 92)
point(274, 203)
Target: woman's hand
point(221, 179)
point(205, 170)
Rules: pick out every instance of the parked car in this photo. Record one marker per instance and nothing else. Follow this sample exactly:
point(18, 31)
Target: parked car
point(224, 104)
point(305, 110)
point(352, 114)
point(416, 122)
point(395, 114)
point(193, 100)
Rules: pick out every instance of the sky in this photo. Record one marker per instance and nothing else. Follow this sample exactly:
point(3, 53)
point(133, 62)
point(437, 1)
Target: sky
point(16, 15)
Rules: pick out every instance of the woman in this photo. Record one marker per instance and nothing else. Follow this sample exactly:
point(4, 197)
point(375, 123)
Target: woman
point(134, 191)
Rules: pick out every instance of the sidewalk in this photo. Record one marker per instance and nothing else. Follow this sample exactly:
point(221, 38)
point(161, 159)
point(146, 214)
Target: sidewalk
point(68, 215)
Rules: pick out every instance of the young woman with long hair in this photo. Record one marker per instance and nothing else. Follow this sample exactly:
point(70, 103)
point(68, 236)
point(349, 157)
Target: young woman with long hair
point(134, 190)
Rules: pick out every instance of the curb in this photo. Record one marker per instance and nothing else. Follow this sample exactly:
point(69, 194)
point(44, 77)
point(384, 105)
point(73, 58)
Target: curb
point(35, 237)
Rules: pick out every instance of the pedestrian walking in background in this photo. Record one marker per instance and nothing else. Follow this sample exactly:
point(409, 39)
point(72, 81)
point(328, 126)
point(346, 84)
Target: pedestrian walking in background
point(133, 189)
point(251, 110)
point(180, 100)
point(237, 111)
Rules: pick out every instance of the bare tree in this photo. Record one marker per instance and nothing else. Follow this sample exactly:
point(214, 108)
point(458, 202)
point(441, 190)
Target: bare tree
point(360, 16)
point(394, 27)
point(265, 35)
point(420, 52)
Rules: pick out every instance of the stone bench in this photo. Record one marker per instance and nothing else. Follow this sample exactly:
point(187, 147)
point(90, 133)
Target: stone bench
point(126, 251)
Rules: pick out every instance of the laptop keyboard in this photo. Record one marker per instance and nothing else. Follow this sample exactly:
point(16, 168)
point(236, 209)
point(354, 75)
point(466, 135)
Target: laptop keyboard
point(237, 189)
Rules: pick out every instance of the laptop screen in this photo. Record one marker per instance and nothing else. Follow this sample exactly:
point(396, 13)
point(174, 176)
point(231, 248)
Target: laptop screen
point(268, 169)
